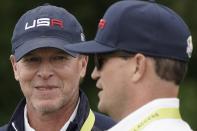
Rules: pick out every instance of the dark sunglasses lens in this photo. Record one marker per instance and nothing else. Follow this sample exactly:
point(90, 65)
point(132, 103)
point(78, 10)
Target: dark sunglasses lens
point(100, 59)
point(97, 62)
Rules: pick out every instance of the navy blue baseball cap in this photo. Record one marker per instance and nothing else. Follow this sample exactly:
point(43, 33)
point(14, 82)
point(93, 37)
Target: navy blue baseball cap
point(138, 26)
point(45, 26)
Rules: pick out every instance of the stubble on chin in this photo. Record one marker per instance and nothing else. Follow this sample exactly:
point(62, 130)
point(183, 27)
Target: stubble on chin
point(46, 107)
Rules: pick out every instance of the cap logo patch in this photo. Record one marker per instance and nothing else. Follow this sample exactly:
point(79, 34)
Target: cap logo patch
point(82, 37)
point(44, 22)
point(101, 24)
point(189, 46)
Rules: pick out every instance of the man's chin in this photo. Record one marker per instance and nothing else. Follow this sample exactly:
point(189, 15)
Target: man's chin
point(100, 107)
point(46, 107)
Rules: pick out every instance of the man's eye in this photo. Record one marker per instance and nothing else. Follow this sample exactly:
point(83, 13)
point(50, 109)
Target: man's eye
point(59, 58)
point(32, 59)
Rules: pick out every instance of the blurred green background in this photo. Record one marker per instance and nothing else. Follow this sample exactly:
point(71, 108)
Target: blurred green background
point(88, 12)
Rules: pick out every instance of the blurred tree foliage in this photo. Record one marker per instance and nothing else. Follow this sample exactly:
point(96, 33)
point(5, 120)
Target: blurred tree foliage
point(88, 12)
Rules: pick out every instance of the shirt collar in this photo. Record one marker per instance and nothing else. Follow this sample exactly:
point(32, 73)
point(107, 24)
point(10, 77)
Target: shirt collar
point(72, 117)
point(144, 110)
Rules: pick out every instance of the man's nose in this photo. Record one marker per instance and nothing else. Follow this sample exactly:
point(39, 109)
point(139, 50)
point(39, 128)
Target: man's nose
point(45, 70)
point(95, 74)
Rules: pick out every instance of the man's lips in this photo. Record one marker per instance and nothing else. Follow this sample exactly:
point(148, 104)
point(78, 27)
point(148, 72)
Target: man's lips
point(99, 87)
point(45, 88)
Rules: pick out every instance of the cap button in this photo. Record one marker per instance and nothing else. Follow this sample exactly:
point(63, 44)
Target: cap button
point(151, 0)
point(46, 4)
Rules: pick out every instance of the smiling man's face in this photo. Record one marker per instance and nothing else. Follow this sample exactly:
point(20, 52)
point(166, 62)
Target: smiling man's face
point(49, 78)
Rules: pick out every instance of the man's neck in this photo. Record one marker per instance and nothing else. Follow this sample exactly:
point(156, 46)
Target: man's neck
point(50, 121)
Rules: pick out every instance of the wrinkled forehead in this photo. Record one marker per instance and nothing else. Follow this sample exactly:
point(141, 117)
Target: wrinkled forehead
point(46, 51)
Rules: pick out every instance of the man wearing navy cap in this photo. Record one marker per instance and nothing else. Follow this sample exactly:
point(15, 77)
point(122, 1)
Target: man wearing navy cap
point(141, 51)
point(49, 76)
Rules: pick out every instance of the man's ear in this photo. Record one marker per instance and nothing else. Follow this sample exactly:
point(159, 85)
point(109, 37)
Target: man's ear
point(14, 66)
point(140, 63)
point(84, 63)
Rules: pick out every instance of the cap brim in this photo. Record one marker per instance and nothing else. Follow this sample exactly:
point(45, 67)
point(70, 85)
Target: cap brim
point(42, 42)
point(89, 47)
